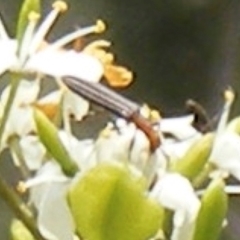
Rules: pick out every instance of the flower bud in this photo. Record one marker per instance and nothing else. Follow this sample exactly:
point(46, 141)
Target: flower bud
point(109, 202)
point(195, 158)
point(213, 210)
point(48, 135)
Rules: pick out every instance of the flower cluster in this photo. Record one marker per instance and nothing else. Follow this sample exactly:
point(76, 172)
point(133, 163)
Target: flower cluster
point(114, 186)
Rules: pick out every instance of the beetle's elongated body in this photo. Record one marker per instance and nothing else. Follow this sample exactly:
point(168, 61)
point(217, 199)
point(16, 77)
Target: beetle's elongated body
point(115, 103)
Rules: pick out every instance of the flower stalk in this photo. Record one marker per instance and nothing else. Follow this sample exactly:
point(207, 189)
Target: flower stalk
point(19, 208)
point(15, 80)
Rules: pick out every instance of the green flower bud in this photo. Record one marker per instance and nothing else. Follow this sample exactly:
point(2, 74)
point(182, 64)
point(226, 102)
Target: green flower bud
point(212, 212)
point(48, 135)
point(19, 231)
point(195, 158)
point(28, 6)
point(109, 203)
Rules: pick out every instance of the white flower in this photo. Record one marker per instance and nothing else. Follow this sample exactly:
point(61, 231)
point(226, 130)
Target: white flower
point(51, 59)
point(49, 187)
point(176, 193)
point(226, 149)
point(82, 152)
point(33, 152)
point(122, 143)
point(113, 144)
point(30, 56)
point(48, 194)
point(20, 121)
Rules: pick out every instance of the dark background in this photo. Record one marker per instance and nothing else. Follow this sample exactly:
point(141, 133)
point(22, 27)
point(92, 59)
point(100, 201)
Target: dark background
point(178, 49)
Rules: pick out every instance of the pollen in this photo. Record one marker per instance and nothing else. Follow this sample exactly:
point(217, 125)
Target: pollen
point(33, 16)
point(100, 26)
point(61, 6)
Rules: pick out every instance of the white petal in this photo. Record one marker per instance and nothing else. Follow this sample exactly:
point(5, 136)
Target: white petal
point(80, 151)
point(175, 192)
point(179, 127)
point(75, 105)
point(140, 150)
point(226, 153)
point(54, 218)
point(27, 93)
point(157, 165)
point(232, 189)
point(184, 231)
point(20, 122)
point(115, 146)
point(53, 97)
point(8, 49)
point(66, 63)
point(49, 172)
point(33, 151)
point(175, 150)
point(25, 123)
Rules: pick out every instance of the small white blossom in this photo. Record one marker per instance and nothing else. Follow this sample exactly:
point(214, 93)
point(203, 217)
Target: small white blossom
point(48, 194)
point(82, 152)
point(20, 121)
point(226, 153)
point(49, 59)
point(176, 193)
point(122, 143)
point(33, 152)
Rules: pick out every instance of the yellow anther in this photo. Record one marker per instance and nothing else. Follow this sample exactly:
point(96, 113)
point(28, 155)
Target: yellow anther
point(108, 58)
point(33, 16)
point(21, 187)
point(229, 95)
point(100, 26)
point(155, 116)
point(127, 75)
point(60, 6)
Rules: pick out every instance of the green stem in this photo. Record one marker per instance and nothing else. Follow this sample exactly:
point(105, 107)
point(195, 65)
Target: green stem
point(16, 149)
point(13, 89)
point(19, 208)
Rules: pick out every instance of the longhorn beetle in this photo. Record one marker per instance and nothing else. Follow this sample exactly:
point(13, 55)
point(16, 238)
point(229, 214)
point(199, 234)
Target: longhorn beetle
point(114, 102)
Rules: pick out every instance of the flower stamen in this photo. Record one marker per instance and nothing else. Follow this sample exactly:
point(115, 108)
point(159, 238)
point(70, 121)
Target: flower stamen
point(229, 98)
point(97, 28)
point(21, 187)
point(33, 19)
point(100, 26)
point(58, 7)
